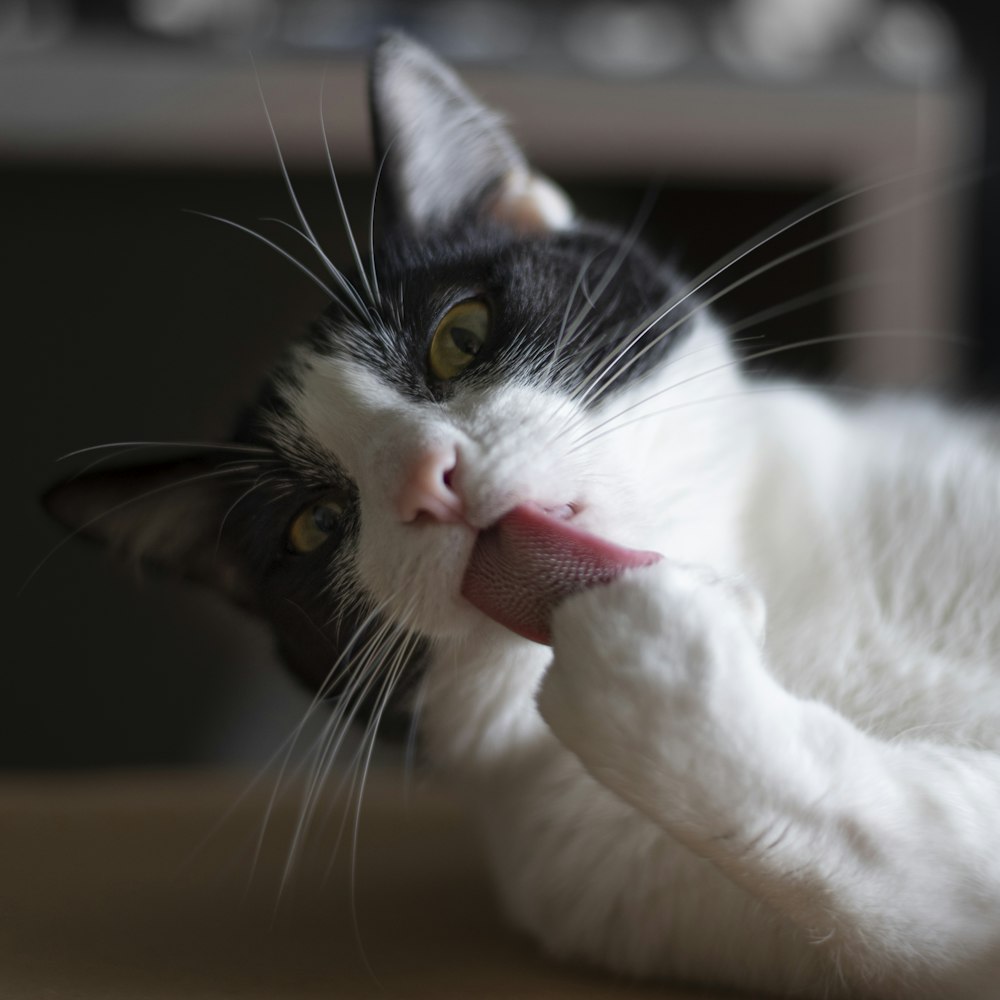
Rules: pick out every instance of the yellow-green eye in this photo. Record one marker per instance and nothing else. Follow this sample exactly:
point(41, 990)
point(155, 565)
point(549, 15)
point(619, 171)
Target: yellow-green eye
point(460, 336)
point(314, 525)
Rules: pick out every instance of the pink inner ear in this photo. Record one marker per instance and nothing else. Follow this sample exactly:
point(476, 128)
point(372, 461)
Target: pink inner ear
point(529, 203)
point(529, 561)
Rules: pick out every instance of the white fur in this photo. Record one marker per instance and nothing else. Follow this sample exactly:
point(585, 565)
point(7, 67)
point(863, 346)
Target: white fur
point(819, 813)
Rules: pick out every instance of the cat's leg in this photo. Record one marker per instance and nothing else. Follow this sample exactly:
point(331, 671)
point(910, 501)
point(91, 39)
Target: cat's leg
point(887, 854)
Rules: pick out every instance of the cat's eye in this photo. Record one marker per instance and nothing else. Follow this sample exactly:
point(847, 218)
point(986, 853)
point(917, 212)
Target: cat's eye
point(314, 525)
point(459, 337)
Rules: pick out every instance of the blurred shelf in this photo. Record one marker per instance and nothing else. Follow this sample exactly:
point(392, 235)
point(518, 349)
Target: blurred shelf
point(121, 103)
point(109, 103)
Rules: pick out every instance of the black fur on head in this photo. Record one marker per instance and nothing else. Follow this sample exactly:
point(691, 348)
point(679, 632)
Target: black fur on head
point(539, 287)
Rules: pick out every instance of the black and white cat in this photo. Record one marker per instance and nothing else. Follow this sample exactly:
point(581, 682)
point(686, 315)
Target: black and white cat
point(517, 472)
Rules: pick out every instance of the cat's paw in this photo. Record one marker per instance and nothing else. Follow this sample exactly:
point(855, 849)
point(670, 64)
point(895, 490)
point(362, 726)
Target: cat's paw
point(657, 672)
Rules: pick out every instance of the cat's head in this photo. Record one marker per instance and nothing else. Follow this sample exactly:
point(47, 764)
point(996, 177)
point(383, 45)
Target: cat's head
point(499, 353)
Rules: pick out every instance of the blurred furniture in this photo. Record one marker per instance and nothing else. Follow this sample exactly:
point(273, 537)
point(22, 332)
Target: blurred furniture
point(154, 886)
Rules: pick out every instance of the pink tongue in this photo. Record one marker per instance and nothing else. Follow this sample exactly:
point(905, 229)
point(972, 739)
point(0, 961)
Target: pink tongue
point(529, 561)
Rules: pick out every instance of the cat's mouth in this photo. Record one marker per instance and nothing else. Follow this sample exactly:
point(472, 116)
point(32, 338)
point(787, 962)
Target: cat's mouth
point(530, 560)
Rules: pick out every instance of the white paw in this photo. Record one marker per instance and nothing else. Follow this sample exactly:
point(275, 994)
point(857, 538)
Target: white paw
point(657, 680)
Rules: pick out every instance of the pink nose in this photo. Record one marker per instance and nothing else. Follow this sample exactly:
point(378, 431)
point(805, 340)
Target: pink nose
point(427, 490)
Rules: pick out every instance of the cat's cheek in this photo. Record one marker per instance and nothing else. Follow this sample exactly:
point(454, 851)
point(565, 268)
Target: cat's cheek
point(415, 573)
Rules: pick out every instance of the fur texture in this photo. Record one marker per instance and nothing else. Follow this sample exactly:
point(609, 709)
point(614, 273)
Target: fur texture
point(677, 788)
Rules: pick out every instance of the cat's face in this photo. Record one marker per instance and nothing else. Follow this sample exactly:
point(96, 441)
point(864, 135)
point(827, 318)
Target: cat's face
point(480, 365)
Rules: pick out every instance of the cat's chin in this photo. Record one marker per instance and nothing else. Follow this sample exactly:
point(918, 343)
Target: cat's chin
point(415, 572)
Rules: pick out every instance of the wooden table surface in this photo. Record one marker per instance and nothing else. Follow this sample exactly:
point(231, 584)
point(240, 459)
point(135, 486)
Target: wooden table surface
point(141, 885)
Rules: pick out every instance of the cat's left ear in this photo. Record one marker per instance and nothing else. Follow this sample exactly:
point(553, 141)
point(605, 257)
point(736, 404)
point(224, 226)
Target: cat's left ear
point(168, 515)
point(445, 155)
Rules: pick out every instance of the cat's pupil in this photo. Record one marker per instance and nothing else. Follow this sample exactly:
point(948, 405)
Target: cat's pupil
point(324, 518)
point(465, 340)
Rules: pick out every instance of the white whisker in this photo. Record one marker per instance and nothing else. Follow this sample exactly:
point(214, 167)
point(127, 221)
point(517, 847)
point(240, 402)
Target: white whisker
point(340, 200)
point(274, 246)
point(200, 445)
point(289, 744)
point(412, 735)
point(335, 731)
point(371, 222)
point(591, 436)
point(261, 481)
point(626, 247)
point(331, 268)
point(593, 380)
point(392, 677)
point(801, 302)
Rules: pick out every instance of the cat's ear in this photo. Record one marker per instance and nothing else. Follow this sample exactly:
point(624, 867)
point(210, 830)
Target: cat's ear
point(444, 155)
point(168, 515)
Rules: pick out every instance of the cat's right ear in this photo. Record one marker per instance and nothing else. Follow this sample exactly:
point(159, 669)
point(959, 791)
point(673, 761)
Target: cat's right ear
point(444, 155)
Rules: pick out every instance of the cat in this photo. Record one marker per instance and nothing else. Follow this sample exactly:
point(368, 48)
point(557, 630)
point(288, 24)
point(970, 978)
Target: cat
point(715, 663)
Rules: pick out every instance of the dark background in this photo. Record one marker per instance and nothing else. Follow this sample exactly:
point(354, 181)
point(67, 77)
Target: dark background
point(127, 318)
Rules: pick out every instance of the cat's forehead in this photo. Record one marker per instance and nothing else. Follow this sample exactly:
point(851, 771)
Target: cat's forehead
point(506, 256)
point(530, 279)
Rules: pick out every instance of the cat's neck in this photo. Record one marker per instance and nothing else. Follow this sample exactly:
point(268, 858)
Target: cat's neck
point(477, 700)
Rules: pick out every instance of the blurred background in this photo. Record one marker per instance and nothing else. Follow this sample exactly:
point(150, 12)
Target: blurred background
point(128, 318)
